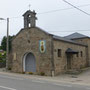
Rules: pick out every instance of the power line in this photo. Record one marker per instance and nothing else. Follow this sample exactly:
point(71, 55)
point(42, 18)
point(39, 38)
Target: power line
point(76, 7)
point(62, 9)
point(51, 11)
point(70, 30)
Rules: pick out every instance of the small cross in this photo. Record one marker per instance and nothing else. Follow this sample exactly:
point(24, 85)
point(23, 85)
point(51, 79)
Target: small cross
point(29, 6)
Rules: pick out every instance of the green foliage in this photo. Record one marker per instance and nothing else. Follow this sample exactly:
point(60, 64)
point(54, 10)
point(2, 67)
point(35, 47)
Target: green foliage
point(4, 43)
point(3, 57)
point(23, 72)
point(31, 73)
point(0, 47)
point(9, 68)
point(42, 73)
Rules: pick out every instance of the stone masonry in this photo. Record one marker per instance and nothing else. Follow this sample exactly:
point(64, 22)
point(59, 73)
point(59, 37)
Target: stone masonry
point(53, 56)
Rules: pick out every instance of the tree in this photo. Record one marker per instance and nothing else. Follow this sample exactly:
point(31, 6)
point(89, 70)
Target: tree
point(0, 47)
point(4, 43)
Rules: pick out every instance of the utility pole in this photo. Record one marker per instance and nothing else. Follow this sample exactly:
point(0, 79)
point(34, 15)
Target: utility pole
point(7, 54)
point(7, 42)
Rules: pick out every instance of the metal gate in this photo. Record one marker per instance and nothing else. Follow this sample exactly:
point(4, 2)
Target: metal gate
point(30, 63)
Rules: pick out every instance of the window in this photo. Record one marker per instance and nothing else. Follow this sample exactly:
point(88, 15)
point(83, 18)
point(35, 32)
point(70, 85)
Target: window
point(59, 52)
point(81, 53)
point(77, 54)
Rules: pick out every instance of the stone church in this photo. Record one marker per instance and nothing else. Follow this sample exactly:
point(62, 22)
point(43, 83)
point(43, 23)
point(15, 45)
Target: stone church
point(37, 51)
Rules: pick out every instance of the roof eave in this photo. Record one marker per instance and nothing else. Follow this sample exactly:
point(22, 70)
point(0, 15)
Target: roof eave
point(71, 42)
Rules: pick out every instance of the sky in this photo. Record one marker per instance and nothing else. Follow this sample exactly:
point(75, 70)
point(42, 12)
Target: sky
point(51, 14)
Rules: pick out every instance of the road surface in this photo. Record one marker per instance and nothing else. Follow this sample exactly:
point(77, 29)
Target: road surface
point(17, 82)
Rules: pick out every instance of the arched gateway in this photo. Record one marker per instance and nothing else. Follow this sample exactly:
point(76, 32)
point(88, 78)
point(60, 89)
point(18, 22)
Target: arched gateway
point(29, 63)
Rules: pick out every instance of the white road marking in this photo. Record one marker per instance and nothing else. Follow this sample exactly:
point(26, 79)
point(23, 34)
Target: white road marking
point(15, 78)
point(7, 88)
point(38, 81)
point(62, 85)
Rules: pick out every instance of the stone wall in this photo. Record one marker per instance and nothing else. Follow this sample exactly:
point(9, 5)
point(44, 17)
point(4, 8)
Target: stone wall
point(85, 41)
point(61, 62)
point(28, 41)
point(2, 64)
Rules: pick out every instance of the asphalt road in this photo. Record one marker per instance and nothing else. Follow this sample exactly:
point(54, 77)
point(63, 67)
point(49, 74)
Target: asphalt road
point(17, 82)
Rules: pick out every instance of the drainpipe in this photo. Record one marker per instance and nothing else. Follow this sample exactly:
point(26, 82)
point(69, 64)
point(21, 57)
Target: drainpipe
point(52, 57)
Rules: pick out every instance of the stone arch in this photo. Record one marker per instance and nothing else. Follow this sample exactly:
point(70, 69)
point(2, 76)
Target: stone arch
point(29, 62)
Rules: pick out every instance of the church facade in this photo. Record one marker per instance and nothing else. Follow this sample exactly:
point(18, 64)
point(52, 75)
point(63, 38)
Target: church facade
point(37, 51)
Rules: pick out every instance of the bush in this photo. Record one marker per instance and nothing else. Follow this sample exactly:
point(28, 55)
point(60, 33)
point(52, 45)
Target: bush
point(3, 57)
point(42, 73)
point(23, 72)
point(9, 68)
point(30, 73)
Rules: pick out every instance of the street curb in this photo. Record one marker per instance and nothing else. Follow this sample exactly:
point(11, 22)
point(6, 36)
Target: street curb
point(50, 79)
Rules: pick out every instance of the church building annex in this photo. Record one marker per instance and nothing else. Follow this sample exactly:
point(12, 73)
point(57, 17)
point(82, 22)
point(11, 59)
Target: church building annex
point(37, 51)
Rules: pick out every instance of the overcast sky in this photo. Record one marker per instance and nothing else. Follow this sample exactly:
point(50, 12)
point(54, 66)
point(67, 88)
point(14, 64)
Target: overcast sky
point(60, 22)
